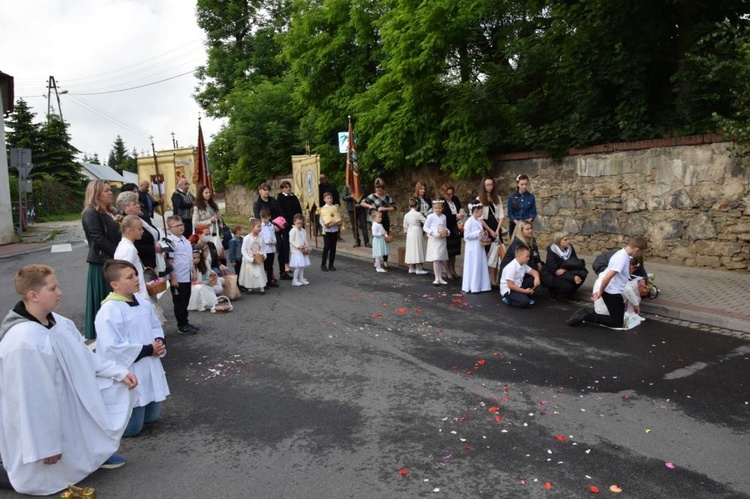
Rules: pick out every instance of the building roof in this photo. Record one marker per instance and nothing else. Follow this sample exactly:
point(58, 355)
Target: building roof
point(101, 172)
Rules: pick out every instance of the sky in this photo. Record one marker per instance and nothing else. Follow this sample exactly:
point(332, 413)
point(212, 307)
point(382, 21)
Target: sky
point(95, 49)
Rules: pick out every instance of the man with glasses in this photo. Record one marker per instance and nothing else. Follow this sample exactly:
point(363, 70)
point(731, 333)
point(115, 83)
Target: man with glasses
point(182, 205)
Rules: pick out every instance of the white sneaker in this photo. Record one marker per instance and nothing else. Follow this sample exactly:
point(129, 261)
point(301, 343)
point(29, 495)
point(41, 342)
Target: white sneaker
point(421, 272)
point(297, 283)
point(304, 281)
point(442, 281)
point(380, 270)
point(412, 270)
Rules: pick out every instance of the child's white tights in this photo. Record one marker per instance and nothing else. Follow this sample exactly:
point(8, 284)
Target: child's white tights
point(437, 267)
point(379, 264)
point(299, 274)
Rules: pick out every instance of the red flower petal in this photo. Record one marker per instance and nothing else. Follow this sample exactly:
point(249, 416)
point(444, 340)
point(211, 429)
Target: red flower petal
point(481, 362)
point(401, 310)
point(467, 447)
point(494, 409)
point(498, 419)
point(403, 472)
point(469, 373)
point(418, 311)
point(376, 316)
point(547, 485)
point(561, 438)
point(593, 489)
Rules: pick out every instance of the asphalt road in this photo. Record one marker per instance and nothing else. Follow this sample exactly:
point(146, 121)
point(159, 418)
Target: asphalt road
point(335, 389)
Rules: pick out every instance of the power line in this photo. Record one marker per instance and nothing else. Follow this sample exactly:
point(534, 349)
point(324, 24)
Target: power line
point(133, 88)
point(101, 113)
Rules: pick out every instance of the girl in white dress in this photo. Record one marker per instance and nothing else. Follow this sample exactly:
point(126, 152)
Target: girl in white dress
point(202, 296)
point(299, 251)
point(379, 244)
point(414, 238)
point(476, 274)
point(252, 274)
point(437, 249)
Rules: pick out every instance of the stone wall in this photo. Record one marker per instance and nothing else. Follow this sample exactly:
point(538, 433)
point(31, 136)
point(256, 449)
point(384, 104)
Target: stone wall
point(692, 202)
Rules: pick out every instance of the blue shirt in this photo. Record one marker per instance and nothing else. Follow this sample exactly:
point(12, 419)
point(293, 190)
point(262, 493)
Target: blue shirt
point(526, 206)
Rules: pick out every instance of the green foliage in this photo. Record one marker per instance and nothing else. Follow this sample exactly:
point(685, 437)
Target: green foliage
point(51, 199)
point(119, 159)
point(452, 82)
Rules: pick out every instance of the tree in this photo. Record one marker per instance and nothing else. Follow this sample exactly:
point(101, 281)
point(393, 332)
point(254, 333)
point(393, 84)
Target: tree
point(56, 160)
point(119, 158)
point(23, 132)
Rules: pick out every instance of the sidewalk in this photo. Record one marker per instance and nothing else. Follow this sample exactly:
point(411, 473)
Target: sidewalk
point(715, 298)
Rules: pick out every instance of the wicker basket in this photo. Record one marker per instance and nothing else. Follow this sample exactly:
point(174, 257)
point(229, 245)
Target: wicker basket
point(223, 305)
point(257, 258)
point(156, 286)
point(305, 250)
point(389, 239)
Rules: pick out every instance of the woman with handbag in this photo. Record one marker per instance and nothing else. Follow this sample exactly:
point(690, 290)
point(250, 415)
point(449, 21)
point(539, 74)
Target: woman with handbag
point(564, 272)
point(383, 203)
point(103, 236)
point(206, 211)
point(453, 215)
point(492, 217)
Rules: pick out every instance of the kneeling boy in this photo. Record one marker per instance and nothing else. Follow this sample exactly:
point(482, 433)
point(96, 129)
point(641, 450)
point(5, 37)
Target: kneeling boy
point(129, 333)
point(518, 280)
point(62, 409)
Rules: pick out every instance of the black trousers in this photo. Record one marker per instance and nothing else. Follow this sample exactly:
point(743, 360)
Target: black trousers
point(188, 223)
point(180, 300)
point(616, 307)
point(282, 246)
point(329, 248)
point(386, 221)
point(362, 224)
point(268, 265)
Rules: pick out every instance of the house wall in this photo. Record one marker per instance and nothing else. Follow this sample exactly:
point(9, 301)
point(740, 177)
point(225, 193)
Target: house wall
point(173, 164)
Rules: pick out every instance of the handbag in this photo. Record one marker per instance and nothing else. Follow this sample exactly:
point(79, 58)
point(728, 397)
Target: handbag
point(573, 263)
point(216, 238)
point(226, 235)
point(495, 254)
point(231, 289)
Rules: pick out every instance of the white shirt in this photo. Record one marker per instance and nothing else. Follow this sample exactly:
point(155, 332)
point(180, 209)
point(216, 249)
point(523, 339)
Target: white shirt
point(514, 271)
point(269, 236)
point(182, 257)
point(620, 263)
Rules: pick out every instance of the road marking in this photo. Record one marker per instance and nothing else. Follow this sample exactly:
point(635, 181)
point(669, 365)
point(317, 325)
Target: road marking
point(697, 366)
point(61, 248)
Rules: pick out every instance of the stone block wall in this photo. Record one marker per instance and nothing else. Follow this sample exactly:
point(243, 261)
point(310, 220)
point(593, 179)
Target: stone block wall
point(691, 201)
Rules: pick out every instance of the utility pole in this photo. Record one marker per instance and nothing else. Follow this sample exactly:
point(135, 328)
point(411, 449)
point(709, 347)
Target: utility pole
point(52, 85)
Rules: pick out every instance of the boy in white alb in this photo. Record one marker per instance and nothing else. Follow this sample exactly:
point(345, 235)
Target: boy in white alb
point(515, 288)
point(616, 278)
point(62, 409)
point(129, 333)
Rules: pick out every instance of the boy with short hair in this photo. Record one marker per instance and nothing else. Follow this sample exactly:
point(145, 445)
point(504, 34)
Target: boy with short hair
point(235, 248)
point(329, 222)
point(181, 260)
point(62, 409)
point(612, 288)
point(129, 333)
point(518, 280)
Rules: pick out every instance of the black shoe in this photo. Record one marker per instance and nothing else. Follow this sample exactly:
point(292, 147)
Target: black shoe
point(285, 277)
point(332, 268)
point(578, 317)
point(368, 245)
point(272, 284)
point(187, 329)
point(356, 245)
point(324, 268)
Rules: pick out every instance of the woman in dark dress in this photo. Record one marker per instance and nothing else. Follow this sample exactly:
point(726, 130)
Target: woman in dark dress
point(382, 202)
point(103, 235)
point(453, 214)
point(564, 272)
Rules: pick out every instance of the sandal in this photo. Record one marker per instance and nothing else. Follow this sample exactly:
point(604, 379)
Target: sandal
point(385, 265)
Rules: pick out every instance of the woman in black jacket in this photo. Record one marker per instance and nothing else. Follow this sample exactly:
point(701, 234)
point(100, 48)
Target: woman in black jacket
point(564, 272)
point(103, 235)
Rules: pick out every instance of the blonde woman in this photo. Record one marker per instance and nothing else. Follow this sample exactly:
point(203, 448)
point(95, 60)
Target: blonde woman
point(103, 236)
